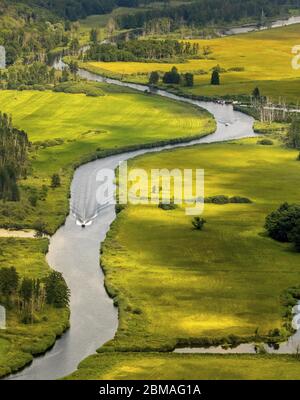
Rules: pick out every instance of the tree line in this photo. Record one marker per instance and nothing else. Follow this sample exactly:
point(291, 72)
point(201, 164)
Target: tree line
point(13, 157)
point(29, 296)
point(205, 12)
point(75, 9)
point(134, 50)
point(172, 77)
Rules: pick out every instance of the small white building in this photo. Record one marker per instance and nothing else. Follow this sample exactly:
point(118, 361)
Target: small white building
point(2, 57)
point(2, 317)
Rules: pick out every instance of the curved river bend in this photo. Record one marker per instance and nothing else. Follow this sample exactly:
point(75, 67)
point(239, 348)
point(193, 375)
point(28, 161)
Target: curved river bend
point(75, 251)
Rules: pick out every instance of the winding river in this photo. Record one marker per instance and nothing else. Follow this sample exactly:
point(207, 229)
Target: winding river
point(74, 251)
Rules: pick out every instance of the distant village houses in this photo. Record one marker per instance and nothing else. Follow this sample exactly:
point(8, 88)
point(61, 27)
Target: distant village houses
point(2, 57)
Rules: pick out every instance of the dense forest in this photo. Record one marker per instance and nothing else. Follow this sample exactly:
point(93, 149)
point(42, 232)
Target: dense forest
point(196, 12)
point(29, 32)
point(75, 9)
point(203, 12)
point(134, 50)
point(13, 157)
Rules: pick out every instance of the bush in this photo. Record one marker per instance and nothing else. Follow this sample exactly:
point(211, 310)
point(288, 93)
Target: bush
point(55, 181)
point(198, 223)
point(88, 88)
point(283, 224)
point(217, 199)
point(167, 207)
point(241, 200)
point(265, 142)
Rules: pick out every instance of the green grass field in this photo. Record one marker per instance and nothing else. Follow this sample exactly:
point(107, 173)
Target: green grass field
point(136, 366)
point(19, 342)
point(88, 127)
point(174, 284)
point(265, 56)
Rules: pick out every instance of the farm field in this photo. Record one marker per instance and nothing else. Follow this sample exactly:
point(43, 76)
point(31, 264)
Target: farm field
point(154, 366)
point(265, 56)
point(69, 129)
point(174, 284)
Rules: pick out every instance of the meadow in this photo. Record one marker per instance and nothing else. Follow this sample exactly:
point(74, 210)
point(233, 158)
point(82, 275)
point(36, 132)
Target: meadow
point(265, 58)
point(19, 342)
point(154, 366)
point(175, 285)
point(67, 130)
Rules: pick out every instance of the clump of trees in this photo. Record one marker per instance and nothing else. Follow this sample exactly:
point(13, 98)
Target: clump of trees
point(175, 78)
point(172, 77)
point(29, 296)
point(36, 76)
point(283, 224)
point(13, 157)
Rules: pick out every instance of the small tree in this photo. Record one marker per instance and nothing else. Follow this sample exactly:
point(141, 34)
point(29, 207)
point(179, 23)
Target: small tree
point(198, 223)
point(94, 35)
point(215, 78)
point(40, 228)
point(74, 68)
point(154, 78)
point(57, 292)
point(65, 76)
point(74, 46)
point(295, 236)
point(293, 136)
point(55, 181)
point(33, 199)
point(256, 93)
point(26, 291)
point(26, 299)
point(189, 80)
point(9, 280)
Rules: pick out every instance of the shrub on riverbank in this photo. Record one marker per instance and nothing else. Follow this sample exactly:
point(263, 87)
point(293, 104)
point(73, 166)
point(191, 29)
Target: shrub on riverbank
point(91, 89)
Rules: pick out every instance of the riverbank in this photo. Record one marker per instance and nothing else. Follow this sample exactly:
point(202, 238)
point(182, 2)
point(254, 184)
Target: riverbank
point(19, 342)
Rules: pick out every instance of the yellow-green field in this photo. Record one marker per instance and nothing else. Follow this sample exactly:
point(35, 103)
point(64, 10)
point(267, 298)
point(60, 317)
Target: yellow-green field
point(88, 127)
point(136, 366)
point(266, 57)
point(174, 284)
